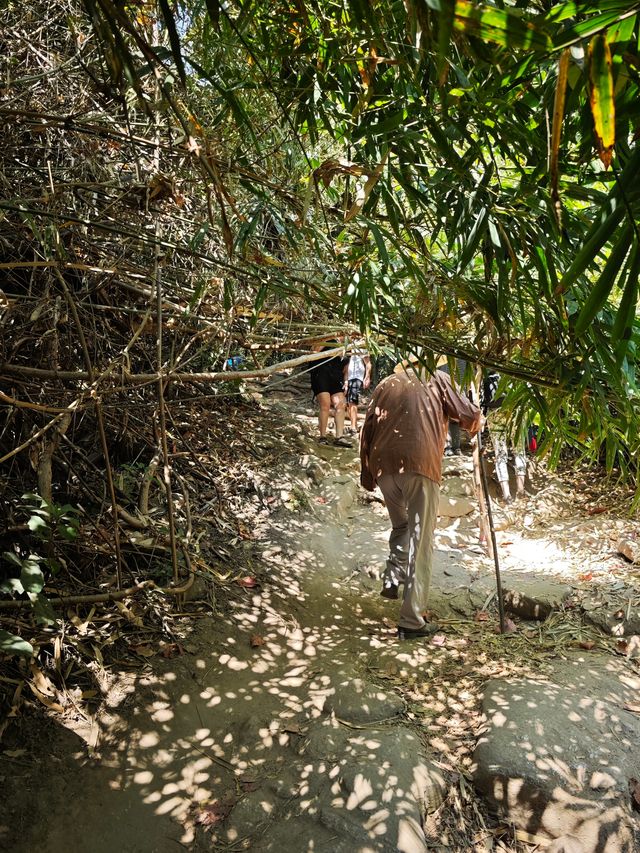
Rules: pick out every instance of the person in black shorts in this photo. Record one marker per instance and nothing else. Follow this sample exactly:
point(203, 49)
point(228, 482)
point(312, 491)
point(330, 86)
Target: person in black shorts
point(327, 384)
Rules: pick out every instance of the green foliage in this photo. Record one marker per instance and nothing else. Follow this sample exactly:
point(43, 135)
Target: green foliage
point(47, 522)
point(10, 644)
point(442, 227)
point(49, 519)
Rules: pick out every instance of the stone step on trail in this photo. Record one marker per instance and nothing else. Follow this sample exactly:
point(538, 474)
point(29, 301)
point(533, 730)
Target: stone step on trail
point(557, 755)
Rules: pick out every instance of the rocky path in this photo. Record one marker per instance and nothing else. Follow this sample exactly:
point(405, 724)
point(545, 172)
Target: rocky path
point(295, 721)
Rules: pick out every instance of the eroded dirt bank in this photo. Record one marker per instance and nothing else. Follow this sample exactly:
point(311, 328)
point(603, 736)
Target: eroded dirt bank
point(281, 714)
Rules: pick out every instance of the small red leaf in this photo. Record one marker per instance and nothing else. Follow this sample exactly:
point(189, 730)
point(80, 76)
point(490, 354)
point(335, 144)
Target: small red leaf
point(256, 640)
point(247, 582)
point(172, 650)
point(587, 645)
point(215, 813)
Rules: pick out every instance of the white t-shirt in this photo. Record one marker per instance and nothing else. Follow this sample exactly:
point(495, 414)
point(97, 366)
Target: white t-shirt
point(356, 369)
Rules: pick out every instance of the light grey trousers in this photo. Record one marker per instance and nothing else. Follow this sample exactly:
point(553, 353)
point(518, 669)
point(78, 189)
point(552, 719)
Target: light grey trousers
point(412, 503)
point(501, 451)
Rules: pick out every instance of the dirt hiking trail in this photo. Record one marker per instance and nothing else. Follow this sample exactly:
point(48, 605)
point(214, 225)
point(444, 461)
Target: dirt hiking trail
point(277, 711)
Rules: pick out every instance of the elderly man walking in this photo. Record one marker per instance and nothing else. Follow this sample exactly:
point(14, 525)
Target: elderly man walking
point(401, 449)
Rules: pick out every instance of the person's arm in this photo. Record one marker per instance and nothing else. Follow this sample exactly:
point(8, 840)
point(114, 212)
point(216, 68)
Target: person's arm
point(367, 371)
point(459, 408)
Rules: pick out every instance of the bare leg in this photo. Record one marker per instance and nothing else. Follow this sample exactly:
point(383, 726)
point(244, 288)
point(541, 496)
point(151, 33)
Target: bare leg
point(501, 456)
point(353, 416)
point(520, 464)
point(324, 401)
point(339, 405)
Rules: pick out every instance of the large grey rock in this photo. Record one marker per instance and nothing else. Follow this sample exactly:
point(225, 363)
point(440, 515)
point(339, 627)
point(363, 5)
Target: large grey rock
point(382, 792)
point(617, 619)
point(457, 466)
point(535, 598)
point(454, 507)
point(456, 486)
point(555, 758)
point(362, 703)
point(629, 547)
point(340, 494)
point(367, 791)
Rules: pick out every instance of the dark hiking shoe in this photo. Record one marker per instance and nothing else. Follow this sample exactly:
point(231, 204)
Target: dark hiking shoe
point(427, 630)
point(343, 442)
point(390, 591)
point(323, 440)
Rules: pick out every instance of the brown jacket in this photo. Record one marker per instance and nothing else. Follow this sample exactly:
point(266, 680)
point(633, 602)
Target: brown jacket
point(406, 424)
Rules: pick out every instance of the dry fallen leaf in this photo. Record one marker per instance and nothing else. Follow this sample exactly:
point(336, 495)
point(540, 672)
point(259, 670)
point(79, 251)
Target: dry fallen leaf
point(438, 640)
point(481, 616)
point(587, 645)
point(172, 650)
point(247, 582)
point(510, 626)
point(143, 650)
point(256, 640)
point(215, 813)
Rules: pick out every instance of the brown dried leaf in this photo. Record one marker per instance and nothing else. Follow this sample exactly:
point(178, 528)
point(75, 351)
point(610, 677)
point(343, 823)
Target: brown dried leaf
point(481, 616)
point(247, 582)
point(143, 650)
point(215, 812)
point(256, 641)
point(172, 650)
point(587, 645)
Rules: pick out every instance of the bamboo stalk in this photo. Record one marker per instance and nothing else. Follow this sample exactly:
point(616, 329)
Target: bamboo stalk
point(177, 376)
point(105, 597)
point(100, 419)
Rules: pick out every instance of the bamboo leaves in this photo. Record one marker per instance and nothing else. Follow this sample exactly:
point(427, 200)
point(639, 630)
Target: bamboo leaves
point(174, 39)
point(623, 324)
point(505, 27)
point(601, 96)
point(556, 132)
point(602, 288)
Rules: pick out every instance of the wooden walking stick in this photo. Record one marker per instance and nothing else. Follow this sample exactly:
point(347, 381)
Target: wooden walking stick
point(489, 518)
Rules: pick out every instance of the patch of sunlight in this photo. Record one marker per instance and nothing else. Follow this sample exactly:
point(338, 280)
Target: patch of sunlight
point(150, 799)
point(143, 777)
point(175, 804)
